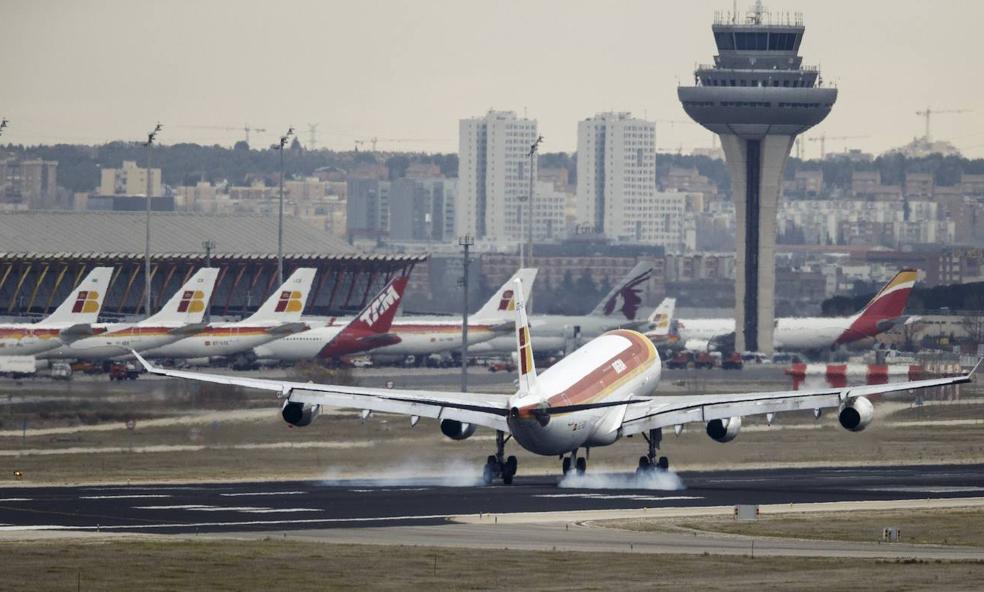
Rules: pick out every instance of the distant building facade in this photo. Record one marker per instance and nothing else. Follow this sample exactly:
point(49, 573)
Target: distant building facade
point(28, 184)
point(367, 208)
point(130, 179)
point(422, 209)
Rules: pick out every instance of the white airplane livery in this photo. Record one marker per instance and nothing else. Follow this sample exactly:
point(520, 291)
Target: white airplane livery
point(593, 397)
point(883, 312)
point(180, 316)
point(72, 319)
point(280, 315)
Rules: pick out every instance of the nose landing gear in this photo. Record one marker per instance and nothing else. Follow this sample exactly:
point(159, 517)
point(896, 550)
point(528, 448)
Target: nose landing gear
point(497, 465)
point(649, 463)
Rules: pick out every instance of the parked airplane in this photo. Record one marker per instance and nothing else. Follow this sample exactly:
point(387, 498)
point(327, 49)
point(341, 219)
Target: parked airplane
point(72, 319)
point(884, 311)
point(559, 333)
point(412, 335)
point(364, 332)
point(660, 327)
point(179, 317)
point(593, 397)
point(280, 315)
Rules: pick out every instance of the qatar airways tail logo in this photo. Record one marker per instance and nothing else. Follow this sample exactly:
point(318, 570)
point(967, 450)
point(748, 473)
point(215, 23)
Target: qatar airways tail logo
point(629, 295)
point(380, 305)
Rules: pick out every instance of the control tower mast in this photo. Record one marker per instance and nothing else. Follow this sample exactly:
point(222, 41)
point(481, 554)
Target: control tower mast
point(757, 97)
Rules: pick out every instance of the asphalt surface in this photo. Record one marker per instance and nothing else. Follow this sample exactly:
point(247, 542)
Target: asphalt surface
point(299, 505)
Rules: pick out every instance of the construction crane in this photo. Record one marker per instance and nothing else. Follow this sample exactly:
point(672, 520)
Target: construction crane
point(928, 113)
point(374, 140)
point(823, 142)
point(246, 128)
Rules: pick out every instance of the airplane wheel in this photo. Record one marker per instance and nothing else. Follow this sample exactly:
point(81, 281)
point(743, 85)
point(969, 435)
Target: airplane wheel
point(663, 463)
point(582, 465)
point(491, 460)
point(566, 465)
point(488, 473)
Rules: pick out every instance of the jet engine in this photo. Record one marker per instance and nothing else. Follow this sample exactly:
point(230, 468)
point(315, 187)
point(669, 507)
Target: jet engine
point(724, 430)
point(456, 430)
point(856, 414)
point(299, 414)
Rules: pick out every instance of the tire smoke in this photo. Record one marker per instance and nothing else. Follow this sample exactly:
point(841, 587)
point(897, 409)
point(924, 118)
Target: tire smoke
point(456, 473)
point(655, 480)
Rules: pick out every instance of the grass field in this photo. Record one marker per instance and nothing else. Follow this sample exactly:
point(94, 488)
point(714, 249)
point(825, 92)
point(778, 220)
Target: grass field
point(274, 564)
point(934, 527)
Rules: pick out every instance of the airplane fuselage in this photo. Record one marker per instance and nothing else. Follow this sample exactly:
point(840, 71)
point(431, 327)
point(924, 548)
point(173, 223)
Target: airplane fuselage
point(614, 367)
point(115, 340)
point(220, 339)
point(791, 333)
point(28, 340)
point(553, 333)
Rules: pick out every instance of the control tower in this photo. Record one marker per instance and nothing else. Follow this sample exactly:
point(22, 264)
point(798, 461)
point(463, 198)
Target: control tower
point(756, 96)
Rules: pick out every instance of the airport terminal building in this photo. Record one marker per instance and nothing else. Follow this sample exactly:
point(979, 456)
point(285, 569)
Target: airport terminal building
point(44, 254)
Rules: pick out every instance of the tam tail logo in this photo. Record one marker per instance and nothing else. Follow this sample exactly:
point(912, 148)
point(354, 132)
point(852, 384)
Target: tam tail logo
point(379, 305)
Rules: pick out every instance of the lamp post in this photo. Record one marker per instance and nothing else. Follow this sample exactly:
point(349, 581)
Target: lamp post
point(3, 124)
point(149, 144)
point(280, 214)
point(529, 210)
point(466, 242)
point(208, 245)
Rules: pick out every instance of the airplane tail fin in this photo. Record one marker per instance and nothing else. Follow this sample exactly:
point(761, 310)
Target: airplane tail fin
point(187, 305)
point(287, 303)
point(526, 367)
point(887, 306)
point(623, 300)
point(370, 328)
point(661, 319)
point(501, 305)
point(85, 301)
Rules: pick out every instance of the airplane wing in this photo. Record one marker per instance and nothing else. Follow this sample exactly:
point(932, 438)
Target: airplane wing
point(665, 411)
point(478, 409)
point(75, 332)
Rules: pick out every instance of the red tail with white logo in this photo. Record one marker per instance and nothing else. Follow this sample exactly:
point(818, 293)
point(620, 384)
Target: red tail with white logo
point(885, 308)
point(370, 329)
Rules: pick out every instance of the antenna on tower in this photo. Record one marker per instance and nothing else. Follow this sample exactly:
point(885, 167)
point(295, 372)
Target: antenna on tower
point(312, 136)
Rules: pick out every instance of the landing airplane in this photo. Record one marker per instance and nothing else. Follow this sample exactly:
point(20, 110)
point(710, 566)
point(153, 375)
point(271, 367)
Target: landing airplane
point(556, 333)
point(179, 317)
point(884, 311)
point(413, 335)
point(280, 315)
point(72, 319)
point(366, 331)
point(593, 397)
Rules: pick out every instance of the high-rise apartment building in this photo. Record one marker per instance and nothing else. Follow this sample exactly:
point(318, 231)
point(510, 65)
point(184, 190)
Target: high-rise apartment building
point(494, 175)
point(130, 180)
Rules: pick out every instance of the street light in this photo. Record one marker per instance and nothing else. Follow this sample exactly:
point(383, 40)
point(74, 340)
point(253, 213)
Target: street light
point(466, 242)
point(150, 142)
point(280, 217)
point(3, 124)
point(529, 210)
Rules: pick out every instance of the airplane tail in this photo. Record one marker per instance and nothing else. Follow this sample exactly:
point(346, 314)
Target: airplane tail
point(84, 302)
point(370, 328)
point(500, 306)
point(661, 319)
point(623, 300)
point(526, 367)
point(884, 309)
point(187, 305)
point(287, 303)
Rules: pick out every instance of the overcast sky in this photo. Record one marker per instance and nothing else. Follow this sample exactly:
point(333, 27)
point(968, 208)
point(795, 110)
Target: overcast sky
point(83, 71)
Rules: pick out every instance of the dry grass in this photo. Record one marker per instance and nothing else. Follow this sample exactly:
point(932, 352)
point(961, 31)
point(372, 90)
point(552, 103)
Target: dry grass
point(934, 527)
point(287, 565)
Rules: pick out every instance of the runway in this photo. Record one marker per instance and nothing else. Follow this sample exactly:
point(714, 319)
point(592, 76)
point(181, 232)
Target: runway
point(306, 505)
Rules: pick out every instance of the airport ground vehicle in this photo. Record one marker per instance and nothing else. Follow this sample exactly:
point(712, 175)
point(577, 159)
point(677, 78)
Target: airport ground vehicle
point(123, 371)
point(17, 366)
point(61, 371)
point(597, 395)
point(733, 361)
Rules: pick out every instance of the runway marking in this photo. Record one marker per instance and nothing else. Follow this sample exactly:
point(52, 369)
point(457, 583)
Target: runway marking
point(183, 507)
point(282, 510)
point(243, 509)
point(238, 523)
point(641, 498)
point(127, 496)
point(15, 499)
point(263, 493)
point(926, 489)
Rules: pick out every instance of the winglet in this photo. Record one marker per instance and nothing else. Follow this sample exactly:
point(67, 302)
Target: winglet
point(524, 344)
point(976, 367)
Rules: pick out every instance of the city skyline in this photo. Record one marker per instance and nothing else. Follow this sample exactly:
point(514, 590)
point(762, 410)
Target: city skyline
point(93, 72)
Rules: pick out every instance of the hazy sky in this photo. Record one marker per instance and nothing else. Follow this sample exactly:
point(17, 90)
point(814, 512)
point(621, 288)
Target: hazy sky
point(85, 71)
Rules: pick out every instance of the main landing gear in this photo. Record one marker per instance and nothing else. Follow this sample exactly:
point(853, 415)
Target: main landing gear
point(580, 463)
point(649, 463)
point(497, 465)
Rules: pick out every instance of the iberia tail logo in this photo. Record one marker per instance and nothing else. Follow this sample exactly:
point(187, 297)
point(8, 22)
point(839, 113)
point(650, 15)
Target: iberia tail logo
point(508, 301)
point(290, 301)
point(86, 301)
point(661, 321)
point(192, 301)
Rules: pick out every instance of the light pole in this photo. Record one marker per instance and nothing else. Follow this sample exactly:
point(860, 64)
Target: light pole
point(3, 124)
point(208, 245)
point(529, 210)
point(149, 144)
point(466, 242)
point(280, 215)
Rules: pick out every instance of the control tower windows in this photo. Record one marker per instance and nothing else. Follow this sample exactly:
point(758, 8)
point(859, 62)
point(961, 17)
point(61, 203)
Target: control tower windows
point(724, 41)
point(751, 41)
